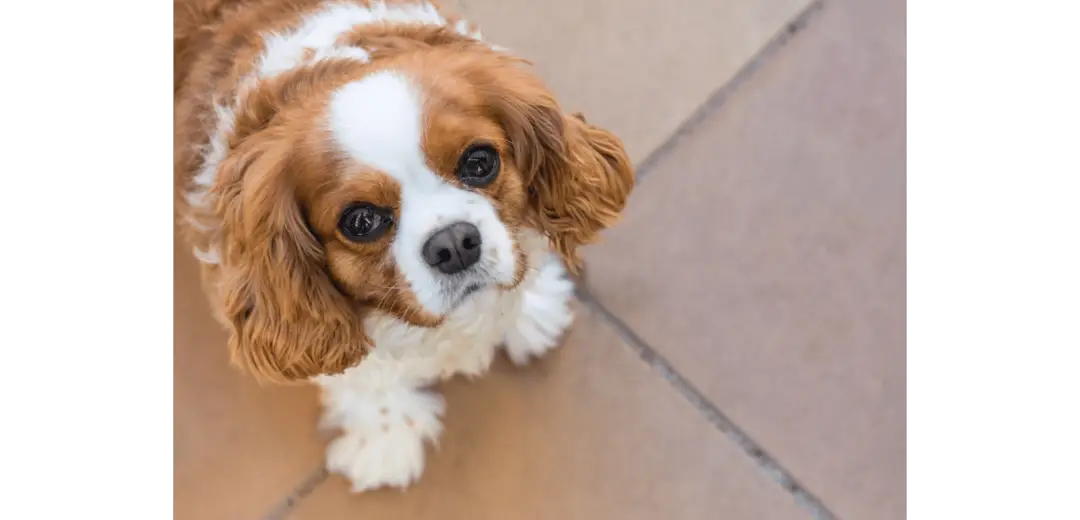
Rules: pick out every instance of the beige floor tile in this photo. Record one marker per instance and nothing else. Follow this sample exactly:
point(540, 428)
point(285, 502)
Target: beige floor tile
point(238, 448)
point(764, 256)
point(588, 433)
point(640, 67)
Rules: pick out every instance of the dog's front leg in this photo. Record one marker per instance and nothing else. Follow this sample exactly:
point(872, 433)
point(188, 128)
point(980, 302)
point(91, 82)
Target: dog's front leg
point(544, 313)
point(385, 420)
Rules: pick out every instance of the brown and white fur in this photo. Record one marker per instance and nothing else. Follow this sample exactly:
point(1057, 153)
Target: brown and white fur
point(320, 147)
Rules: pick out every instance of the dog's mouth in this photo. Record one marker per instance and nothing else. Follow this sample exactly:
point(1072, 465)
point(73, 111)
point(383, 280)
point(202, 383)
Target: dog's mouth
point(471, 289)
point(468, 291)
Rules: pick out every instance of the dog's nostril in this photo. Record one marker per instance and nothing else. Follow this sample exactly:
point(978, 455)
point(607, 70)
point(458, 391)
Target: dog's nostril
point(443, 255)
point(470, 243)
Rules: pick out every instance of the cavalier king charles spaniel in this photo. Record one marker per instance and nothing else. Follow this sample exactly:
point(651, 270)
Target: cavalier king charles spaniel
point(379, 200)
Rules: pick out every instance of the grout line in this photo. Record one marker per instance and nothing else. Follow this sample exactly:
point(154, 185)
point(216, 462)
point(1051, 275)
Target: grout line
point(765, 462)
point(720, 96)
point(303, 489)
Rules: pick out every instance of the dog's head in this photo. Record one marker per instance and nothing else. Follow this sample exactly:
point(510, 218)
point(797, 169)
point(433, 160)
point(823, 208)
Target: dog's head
point(400, 186)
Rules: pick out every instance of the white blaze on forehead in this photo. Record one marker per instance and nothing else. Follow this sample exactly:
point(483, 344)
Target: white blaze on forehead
point(378, 121)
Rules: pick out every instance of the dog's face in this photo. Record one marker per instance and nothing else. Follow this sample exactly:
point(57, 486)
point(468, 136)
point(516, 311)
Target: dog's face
point(427, 200)
point(401, 187)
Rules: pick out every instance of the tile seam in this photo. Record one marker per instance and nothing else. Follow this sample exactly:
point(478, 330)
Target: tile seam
point(285, 506)
point(764, 461)
point(720, 96)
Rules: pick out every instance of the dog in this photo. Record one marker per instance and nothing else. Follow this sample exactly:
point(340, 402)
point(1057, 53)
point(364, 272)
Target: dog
point(379, 200)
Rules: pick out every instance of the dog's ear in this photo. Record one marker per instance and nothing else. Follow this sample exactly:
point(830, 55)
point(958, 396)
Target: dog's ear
point(578, 175)
point(288, 320)
point(582, 190)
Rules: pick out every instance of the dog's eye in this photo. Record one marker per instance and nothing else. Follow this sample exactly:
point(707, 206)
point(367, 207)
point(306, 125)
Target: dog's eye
point(479, 165)
point(364, 222)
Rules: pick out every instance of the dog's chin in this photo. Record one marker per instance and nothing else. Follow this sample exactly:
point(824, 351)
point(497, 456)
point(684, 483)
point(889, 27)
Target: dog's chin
point(453, 300)
point(421, 315)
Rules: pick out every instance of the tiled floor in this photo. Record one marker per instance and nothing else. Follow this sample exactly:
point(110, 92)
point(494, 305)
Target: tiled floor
point(741, 354)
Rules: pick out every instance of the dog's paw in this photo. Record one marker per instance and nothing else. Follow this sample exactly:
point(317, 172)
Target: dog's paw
point(545, 314)
point(382, 444)
point(392, 458)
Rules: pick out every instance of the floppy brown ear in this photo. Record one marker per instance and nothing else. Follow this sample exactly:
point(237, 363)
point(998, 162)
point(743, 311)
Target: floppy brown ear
point(288, 320)
point(582, 190)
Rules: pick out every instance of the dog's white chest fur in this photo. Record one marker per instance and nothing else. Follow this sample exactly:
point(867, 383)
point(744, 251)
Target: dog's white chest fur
point(381, 405)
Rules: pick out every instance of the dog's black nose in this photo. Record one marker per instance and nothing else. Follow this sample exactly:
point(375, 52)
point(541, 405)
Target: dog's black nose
point(453, 248)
